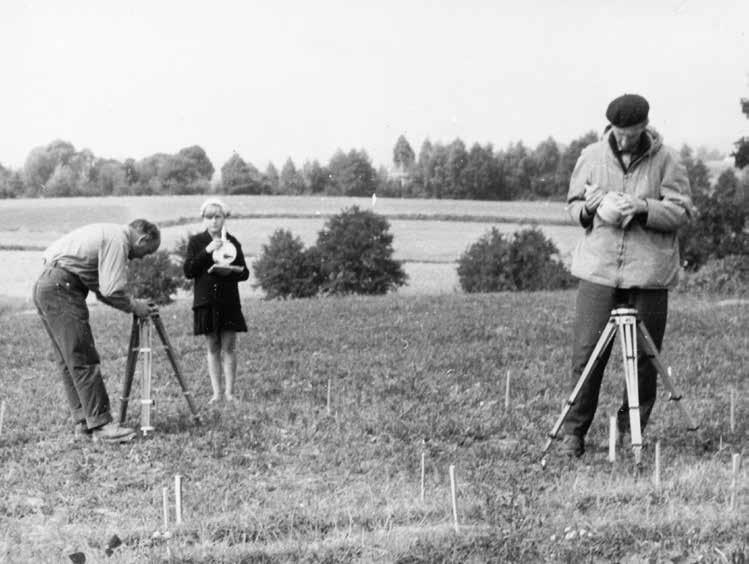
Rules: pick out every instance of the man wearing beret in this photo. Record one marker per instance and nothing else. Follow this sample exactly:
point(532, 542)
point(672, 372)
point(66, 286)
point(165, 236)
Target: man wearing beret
point(630, 195)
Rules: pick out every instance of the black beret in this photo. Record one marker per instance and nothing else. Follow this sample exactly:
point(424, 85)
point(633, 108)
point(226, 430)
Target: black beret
point(627, 110)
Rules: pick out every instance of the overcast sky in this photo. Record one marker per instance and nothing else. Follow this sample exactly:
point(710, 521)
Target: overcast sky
point(276, 79)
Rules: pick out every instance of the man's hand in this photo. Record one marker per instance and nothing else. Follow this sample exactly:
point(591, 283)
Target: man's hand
point(632, 205)
point(593, 196)
point(141, 308)
point(213, 245)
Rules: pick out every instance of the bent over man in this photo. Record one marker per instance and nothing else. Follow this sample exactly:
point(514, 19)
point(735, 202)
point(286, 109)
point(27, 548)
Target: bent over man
point(630, 194)
point(91, 258)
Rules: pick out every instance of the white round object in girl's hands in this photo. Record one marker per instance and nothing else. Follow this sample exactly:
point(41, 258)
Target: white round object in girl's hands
point(225, 254)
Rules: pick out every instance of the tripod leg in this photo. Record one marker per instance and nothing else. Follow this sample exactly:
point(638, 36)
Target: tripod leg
point(627, 324)
point(146, 400)
point(175, 365)
point(603, 342)
point(651, 351)
point(132, 357)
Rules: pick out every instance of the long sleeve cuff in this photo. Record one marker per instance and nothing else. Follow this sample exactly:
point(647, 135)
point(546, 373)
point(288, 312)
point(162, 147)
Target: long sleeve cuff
point(120, 301)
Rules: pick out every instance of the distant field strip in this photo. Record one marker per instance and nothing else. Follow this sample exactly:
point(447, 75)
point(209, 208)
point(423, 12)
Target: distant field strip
point(391, 216)
point(61, 214)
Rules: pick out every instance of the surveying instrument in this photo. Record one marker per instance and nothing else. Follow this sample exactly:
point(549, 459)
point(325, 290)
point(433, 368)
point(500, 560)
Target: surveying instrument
point(631, 332)
point(141, 345)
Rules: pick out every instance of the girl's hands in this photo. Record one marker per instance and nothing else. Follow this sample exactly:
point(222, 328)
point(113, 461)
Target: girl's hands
point(213, 245)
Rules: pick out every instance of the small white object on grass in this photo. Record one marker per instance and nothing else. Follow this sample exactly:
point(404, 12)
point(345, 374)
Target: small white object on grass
point(423, 455)
point(657, 470)
point(612, 438)
point(165, 506)
point(735, 480)
point(178, 499)
point(507, 391)
point(454, 497)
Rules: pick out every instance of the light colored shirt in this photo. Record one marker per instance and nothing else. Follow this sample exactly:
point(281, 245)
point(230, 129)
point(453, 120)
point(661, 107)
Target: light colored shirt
point(98, 255)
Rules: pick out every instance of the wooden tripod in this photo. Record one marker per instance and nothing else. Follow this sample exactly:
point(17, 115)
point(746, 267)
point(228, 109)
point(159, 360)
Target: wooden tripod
point(140, 345)
point(632, 331)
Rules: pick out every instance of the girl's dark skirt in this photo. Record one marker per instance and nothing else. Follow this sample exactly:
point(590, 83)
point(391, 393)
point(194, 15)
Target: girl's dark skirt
point(209, 319)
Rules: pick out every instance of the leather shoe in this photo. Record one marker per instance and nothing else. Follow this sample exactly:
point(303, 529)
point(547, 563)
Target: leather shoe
point(81, 431)
point(112, 433)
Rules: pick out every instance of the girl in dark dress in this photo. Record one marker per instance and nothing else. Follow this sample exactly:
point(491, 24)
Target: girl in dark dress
point(216, 263)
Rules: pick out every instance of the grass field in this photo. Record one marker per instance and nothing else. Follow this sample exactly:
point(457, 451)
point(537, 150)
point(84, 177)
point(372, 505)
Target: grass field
point(276, 478)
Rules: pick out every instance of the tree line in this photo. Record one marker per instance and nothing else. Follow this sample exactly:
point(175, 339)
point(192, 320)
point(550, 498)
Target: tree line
point(439, 170)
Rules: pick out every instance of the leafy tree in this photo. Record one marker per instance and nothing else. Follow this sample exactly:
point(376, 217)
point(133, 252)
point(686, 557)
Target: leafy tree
point(717, 231)
point(272, 179)
point(568, 159)
point(482, 176)
point(527, 262)
point(290, 181)
point(727, 187)
point(155, 277)
point(727, 275)
point(355, 252)
point(352, 174)
point(390, 187)
point(111, 177)
point(131, 172)
point(706, 154)
point(404, 157)
point(353, 255)
point(41, 163)
point(697, 172)
point(546, 158)
point(239, 177)
point(486, 265)
point(285, 269)
point(741, 155)
point(439, 172)
point(422, 185)
point(62, 183)
point(11, 183)
point(197, 162)
point(187, 172)
point(457, 158)
point(147, 171)
point(316, 177)
point(518, 167)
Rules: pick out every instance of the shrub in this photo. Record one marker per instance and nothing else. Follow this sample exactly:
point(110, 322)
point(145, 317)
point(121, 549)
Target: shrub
point(528, 262)
point(355, 251)
point(728, 275)
point(285, 269)
point(353, 255)
point(155, 277)
point(178, 257)
point(717, 232)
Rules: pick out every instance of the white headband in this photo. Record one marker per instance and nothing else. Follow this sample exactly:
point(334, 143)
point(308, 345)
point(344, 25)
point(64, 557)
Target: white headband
point(211, 202)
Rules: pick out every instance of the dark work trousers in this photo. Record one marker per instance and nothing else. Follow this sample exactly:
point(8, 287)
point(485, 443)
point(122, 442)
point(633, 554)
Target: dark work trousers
point(60, 299)
point(593, 309)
